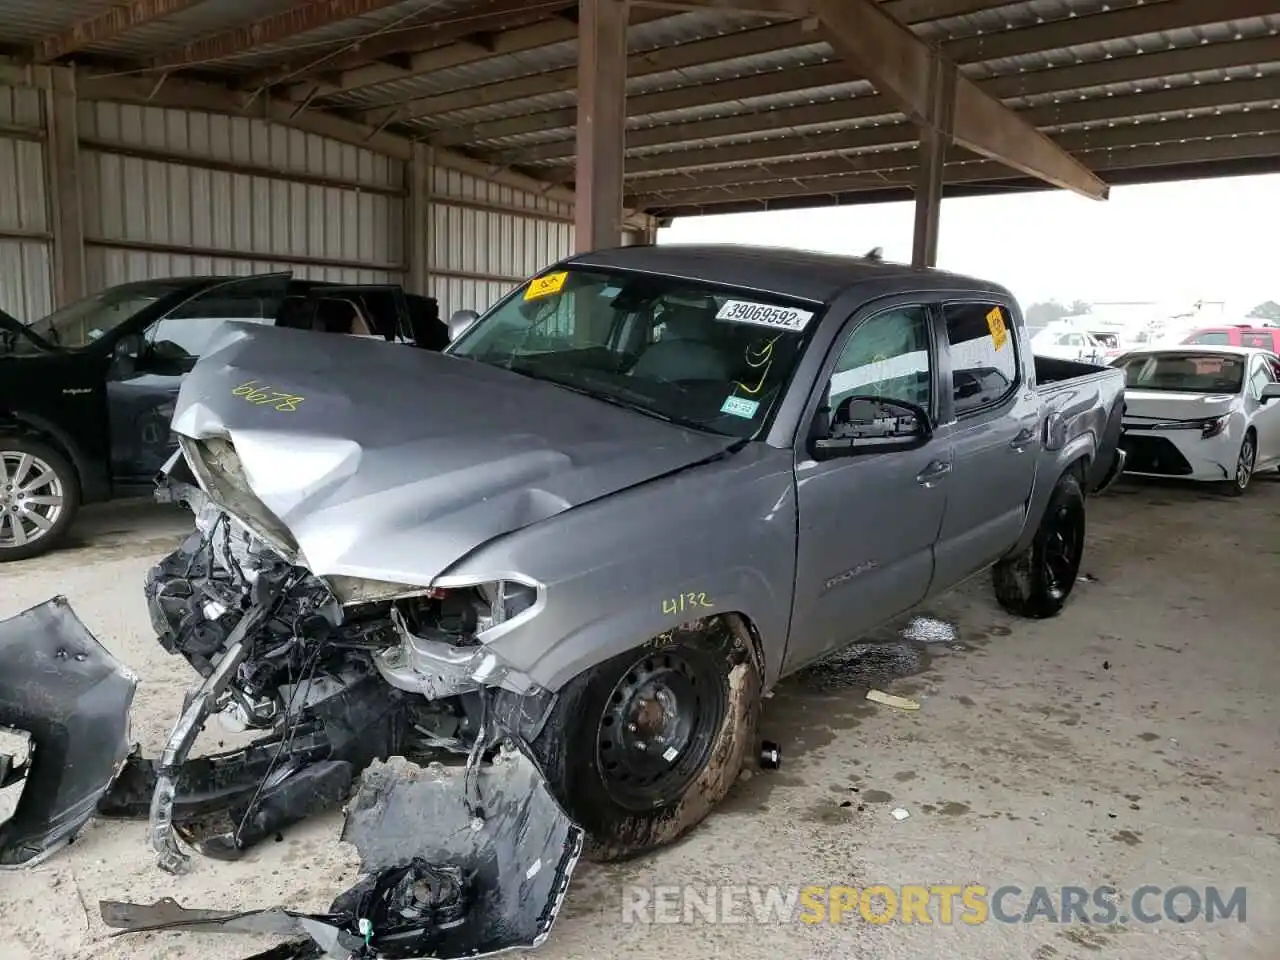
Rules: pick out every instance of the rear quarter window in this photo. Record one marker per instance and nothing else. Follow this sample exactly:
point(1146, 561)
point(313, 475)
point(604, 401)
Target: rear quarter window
point(984, 361)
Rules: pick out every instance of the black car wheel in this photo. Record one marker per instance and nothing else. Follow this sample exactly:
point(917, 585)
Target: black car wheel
point(641, 747)
point(39, 497)
point(1036, 582)
point(1245, 462)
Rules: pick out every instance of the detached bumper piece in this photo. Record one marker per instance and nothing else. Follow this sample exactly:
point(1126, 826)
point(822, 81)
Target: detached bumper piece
point(457, 862)
point(63, 689)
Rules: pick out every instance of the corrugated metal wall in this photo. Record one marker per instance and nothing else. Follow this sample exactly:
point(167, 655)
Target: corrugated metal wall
point(485, 238)
point(26, 275)
point(233, 195)
point(169, 192)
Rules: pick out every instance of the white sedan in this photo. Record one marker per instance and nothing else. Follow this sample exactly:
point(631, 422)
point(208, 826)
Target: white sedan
point(1208, 413)
point(1068, 344)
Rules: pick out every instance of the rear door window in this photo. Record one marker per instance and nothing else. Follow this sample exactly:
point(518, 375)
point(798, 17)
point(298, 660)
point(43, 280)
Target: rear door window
point(984, 361)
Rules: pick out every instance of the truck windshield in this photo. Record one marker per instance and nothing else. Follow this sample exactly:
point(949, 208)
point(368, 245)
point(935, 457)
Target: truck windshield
point(669, 348)
point(79, 324)
point(1184, 372)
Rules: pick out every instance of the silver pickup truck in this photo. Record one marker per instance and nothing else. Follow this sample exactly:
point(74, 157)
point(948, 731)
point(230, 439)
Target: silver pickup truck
point(590, 536)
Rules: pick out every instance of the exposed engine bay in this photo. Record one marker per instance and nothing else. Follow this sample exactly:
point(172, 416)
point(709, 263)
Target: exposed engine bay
point(332, 685)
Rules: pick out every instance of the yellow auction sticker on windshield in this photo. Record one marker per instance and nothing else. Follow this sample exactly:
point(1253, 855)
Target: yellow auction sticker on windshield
point(546, 285)
point(995, 323)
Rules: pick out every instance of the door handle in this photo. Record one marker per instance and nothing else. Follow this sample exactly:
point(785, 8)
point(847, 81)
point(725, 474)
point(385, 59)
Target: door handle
point(933, 471)
point(1024, 439)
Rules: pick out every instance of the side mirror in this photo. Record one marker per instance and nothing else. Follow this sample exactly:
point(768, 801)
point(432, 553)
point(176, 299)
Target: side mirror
point(126, 356)
point(863, 425)
point(128, 349)
point(1271, 392)
point(461, 322)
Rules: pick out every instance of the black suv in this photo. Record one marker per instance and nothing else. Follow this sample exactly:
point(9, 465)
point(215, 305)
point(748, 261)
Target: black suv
point(86, 393)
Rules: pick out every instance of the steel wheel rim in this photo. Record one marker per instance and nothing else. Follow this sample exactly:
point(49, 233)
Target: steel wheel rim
point(32, 499)
point(1062, 550)
point(1244, 466)
point(657, 729)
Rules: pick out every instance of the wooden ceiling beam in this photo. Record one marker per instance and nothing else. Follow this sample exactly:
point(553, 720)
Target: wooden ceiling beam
point(106, 25)
point(1106, 161)
point(670, 187)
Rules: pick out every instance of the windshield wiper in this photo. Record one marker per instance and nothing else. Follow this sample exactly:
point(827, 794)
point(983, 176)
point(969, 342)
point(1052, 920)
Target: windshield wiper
point(611, 398)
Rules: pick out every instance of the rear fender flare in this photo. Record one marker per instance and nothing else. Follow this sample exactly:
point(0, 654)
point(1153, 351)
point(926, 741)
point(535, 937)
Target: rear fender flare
point(1100, 467)
point(1075, 456)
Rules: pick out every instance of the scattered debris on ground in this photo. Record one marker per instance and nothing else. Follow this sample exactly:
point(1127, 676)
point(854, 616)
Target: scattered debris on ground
point(889, 700)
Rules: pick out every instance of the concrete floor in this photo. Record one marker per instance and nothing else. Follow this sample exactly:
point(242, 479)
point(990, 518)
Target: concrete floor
point(1134, 740)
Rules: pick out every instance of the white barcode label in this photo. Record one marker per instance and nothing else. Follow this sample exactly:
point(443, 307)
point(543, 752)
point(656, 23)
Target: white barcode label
point(764, 315)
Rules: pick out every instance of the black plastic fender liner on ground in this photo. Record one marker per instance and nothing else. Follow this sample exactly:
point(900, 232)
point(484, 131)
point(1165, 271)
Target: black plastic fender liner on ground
point(456, 862)
point(60, 686)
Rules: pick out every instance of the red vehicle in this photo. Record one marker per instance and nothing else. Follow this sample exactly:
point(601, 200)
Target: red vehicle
point(1268, 338)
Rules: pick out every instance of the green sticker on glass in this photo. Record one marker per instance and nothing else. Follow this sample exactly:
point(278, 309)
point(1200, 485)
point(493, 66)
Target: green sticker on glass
point(740, 407)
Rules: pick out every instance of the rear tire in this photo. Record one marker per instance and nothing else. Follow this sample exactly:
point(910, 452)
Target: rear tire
point(1036, 582)
point(1245, 463)
point(606, 748)
point(39, 497)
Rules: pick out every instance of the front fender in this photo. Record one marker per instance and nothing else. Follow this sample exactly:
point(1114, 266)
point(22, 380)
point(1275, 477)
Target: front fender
point(618, 572)
point(647, 619)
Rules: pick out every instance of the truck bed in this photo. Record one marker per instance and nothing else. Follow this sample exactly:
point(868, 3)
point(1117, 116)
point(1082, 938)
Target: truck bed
point(1054, 370)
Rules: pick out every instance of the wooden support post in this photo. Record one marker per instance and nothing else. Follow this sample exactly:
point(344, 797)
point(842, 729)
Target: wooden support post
point(418, 220)
point(62, 174)
point(602, 77)
point(935, 142)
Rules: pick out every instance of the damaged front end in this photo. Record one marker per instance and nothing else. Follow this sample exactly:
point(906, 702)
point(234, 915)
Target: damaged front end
point(336, 673)
point(71, 699)
point(383, 691)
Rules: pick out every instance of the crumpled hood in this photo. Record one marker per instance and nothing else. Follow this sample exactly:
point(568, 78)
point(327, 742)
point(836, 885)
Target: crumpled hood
point(1155, 405)
point(395, 462)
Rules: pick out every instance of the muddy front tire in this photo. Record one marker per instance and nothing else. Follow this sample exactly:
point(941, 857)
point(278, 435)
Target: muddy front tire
point(1036, 582)
point(641, 747)
point(39, 497)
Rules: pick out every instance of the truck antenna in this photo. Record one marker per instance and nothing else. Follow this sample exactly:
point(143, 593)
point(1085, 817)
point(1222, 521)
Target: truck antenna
point(875, 253)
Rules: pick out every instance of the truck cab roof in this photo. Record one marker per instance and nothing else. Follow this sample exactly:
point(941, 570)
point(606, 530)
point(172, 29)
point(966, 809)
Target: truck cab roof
point(797, 274)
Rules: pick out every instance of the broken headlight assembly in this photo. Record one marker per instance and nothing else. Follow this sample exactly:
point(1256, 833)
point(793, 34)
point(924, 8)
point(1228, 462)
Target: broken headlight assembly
point(510, 602)
point(475, 608)
point(443, 649)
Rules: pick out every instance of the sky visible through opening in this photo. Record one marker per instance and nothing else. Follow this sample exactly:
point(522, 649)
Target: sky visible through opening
point(1168, 243)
